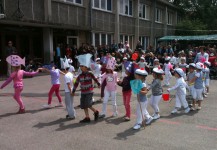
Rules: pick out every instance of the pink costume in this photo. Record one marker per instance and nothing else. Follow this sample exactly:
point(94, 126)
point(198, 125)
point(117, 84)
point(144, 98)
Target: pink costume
point(17, 78)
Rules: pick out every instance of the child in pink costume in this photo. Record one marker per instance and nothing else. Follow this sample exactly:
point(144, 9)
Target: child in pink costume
point(17, 77)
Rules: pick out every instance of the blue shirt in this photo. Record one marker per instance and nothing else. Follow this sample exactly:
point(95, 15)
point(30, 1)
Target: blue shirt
point(58, 51)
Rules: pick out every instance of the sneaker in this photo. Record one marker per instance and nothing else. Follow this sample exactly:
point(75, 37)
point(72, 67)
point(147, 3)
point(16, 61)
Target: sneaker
point(153, 115)
point(115, 114)
point(192, 108)
point(46, 106)
point(137, 126)
point(21, 111)
point(59, 105)
point(85, 120)
point(126, 119)
point(175, 111)
point(96, 115)
point(156, 116)
point(149, 120)
point(199, 108)
point(102, 116)
point(204, 95)
point(69, 117)
point(187, 110)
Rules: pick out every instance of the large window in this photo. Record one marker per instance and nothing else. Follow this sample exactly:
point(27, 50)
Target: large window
point(169, 18)
point(103, 4)
point(129, 38)
point(144, 11)
point(126, 7)
point(74, 1)
point(101, 39)
point(158, 17)
point(145, 41)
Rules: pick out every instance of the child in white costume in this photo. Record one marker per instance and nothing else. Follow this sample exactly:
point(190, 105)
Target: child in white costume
point(190, 76)
point(206, 71)
point(97, 70)
point(142, 100)
point(183, 66)
point(180, 88)
point(157, 91)
point(142, 63)
point(167, 68)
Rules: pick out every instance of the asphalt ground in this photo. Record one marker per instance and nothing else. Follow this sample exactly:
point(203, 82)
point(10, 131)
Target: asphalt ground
point(40, 129)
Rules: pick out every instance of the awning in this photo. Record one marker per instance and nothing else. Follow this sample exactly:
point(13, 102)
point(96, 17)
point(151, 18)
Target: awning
point(188, 38)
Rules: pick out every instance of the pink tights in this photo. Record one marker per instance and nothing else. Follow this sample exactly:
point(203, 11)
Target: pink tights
point(55, 88)
point(17, 96)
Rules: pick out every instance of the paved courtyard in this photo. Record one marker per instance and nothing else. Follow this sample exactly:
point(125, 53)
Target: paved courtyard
point(40, 129)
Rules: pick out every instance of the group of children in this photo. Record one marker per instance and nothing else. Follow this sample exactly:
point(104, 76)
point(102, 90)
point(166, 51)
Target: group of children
point(197, 84)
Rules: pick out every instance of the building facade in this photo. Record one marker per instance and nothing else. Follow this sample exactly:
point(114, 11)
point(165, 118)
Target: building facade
point(37, 26)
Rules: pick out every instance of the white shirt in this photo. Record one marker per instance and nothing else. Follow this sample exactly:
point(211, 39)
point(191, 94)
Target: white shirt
point(71, 69)
point(180, 86)
point(68, 78)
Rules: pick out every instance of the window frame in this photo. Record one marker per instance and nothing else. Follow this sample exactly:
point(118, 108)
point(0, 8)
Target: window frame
point(74, 2)
point(122, 7)
point(159, 17)
point(147, 14)
point(169, 18)
point(100, 5)
point(100, 38)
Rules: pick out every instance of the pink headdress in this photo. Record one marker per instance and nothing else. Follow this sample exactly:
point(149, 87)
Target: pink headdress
point(15, 60)
point(111, 63)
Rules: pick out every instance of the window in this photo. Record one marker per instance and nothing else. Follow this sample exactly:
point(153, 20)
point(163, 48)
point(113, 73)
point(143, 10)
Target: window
point(129, 38)
point(144, 11)
point(145, 41)
point(169, 18)
point(126, 7)
point(74, 1)
point(101, 39)
point(103, 4)
point(1, 7)
point(158, 17)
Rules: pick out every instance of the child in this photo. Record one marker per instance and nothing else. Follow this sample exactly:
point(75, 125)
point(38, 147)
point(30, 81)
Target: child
point(198, 86)
point(183, 66)
point(167, 68)
point(103, 84)
point(207, 78)
point(180, 88)
point(142, 100)
point(86, 85)
point(156, 63)
point(190, 76)
point(68, 78)
point(55, 81)
point(123, 74)
point(97, 71)
point(17, 77)
point(156, 91)
point(126, 89)
point(142, 63)
point(110, 89)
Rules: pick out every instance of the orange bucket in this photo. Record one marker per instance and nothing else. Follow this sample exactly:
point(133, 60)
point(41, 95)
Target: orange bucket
point(166, 97)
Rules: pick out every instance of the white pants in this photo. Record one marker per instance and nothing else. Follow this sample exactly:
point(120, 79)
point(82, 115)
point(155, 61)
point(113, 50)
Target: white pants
point(181, 101)
point(207, 82)
point(154, 100)
point(168, 76)
point(107, 94)
point(198, 94)
point(191, 90)
point(144, 111)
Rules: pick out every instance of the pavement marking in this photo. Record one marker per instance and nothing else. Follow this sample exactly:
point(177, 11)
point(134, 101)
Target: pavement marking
point(206, 127)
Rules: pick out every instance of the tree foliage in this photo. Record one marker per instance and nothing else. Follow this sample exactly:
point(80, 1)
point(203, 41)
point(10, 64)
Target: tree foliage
point(198, 11)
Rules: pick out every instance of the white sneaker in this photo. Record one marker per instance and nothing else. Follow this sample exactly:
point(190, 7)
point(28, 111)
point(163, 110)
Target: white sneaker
point(46, 106)
point(115, 114)
point(137, 126)
point(187, 110)
point(59, 105)
point(174, 111)
point(156, 116)
point(149, 120)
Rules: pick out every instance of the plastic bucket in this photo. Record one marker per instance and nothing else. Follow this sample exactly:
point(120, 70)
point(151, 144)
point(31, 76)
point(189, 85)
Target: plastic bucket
point(166, 97)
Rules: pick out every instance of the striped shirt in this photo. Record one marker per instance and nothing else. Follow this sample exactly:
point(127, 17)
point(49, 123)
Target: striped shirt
point(85, 80)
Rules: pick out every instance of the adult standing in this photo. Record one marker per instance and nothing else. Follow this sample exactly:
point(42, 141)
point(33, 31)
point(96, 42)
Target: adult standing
point(10, 50)
point(202, 56)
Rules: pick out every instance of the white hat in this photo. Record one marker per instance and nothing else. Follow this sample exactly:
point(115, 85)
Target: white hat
point(97, 59)
point(158, 70)
point(192, 65)
point(199, 65)
point(207, 63)
point(167, 58)
point(179, 71)
point(111, 63)
point(84, 60)
point(142, 58)
point(125, 58)
point(141, 72)
point(156, 60)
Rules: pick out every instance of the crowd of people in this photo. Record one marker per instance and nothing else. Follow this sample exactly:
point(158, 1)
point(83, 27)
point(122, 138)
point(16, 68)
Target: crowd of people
point(189, 67)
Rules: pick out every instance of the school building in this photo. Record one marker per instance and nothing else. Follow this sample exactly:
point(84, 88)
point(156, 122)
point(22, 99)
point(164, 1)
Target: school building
point(37, 26)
